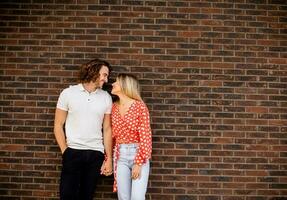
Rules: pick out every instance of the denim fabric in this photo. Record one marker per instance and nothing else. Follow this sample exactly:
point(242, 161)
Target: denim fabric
point(128, 188)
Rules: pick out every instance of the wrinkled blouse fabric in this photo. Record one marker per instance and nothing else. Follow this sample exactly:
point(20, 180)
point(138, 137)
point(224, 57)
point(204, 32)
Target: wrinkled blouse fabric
point(133, 127)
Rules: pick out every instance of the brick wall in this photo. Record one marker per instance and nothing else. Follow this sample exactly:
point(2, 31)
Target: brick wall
point(213, 75)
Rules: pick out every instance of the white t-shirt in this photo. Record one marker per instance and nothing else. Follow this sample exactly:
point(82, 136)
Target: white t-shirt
point(86, 112)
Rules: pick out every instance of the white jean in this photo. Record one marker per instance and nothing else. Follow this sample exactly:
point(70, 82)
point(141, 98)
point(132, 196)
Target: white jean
point(128, 188)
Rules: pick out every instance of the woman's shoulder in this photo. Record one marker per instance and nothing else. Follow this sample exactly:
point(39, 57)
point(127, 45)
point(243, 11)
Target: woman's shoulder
point(140, 104)
point(115, 105)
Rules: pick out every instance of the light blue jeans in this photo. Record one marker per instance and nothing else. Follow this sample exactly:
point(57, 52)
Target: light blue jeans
point(128, 188)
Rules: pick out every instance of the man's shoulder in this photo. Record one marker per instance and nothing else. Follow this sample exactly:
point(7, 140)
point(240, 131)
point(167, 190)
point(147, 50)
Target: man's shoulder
point(106, 96)
point(103, 92)
point(72, 89)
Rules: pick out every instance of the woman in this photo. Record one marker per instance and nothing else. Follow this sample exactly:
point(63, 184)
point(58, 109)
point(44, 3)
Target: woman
point(132, 139)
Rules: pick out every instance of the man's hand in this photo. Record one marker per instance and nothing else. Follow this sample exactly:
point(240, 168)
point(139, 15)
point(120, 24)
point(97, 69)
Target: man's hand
point(65, 148)
point(107, 167)
point(136, 172)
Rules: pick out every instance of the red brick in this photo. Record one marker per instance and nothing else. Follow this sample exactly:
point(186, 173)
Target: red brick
point(12, 147)
point(212, 74)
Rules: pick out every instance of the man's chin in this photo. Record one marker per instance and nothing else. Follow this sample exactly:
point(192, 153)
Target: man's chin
point(101, 85)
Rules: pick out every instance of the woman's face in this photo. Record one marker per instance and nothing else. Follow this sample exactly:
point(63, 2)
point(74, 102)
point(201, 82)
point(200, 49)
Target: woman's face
point(116, 88)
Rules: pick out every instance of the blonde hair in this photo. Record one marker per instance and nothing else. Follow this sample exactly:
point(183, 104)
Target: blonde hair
point(130, 86)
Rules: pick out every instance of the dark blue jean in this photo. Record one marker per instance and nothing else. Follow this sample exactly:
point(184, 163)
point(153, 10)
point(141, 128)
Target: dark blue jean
point(80, 173)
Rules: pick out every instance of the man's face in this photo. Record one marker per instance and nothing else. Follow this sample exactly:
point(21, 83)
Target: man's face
point(103, 78)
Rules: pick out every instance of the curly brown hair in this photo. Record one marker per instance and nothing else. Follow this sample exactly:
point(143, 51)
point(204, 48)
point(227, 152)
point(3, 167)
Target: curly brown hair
point(90, 71)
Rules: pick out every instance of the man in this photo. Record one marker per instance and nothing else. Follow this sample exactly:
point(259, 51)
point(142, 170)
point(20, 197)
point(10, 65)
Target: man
point(85, 110)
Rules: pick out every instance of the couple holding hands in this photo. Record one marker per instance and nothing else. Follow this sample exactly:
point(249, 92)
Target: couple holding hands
point(97, 136)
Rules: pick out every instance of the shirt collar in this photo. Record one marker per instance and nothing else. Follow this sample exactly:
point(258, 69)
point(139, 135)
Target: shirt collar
point(81, 87)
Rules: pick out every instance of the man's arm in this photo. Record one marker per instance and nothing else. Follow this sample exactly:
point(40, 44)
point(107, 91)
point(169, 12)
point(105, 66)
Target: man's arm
point(107, 129)
point(60, 118)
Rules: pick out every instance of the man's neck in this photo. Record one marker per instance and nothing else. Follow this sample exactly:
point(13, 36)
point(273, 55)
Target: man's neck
point(90, 87)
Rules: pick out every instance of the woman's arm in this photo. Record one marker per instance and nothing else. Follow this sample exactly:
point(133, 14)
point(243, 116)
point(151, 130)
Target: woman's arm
point(145, 144)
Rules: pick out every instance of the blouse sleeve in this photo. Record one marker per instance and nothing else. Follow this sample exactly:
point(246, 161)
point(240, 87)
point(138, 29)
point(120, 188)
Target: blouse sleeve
point(145, 144)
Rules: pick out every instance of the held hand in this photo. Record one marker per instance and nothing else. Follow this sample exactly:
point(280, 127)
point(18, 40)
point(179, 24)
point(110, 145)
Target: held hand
point(107, 168)
point(136, 172)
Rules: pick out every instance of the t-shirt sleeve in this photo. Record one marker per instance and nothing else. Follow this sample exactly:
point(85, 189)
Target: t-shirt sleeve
point(109, 104)
point(62, 101)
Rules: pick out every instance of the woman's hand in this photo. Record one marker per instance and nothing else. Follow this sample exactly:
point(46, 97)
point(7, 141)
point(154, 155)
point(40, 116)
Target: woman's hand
point(107, 168)
point(136, 171)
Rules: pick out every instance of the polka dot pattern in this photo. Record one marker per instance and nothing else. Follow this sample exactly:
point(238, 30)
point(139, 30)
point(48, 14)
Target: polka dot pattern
point(133, 127)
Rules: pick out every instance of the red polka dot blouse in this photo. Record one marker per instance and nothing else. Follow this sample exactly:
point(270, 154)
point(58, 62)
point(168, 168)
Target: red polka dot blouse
point(133, 127)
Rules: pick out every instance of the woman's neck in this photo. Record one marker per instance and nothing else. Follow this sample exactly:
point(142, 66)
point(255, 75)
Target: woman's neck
point(124, 100)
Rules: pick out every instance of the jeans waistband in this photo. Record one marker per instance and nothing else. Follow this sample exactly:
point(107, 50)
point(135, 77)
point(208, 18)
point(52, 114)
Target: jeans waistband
point(132, 145)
